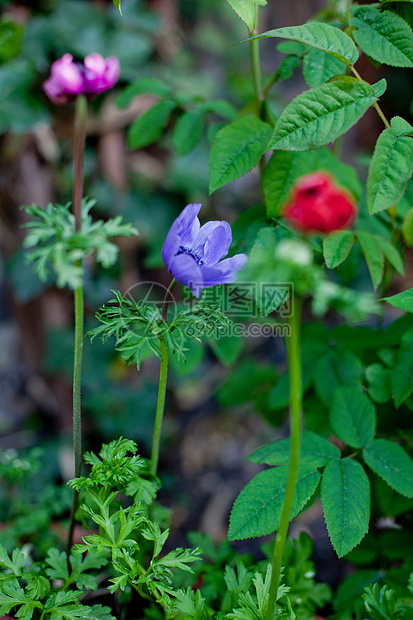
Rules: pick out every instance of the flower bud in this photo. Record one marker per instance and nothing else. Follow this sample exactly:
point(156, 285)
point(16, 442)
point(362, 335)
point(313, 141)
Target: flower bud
point(91, 77)
point(317, 204)
point(295, 252)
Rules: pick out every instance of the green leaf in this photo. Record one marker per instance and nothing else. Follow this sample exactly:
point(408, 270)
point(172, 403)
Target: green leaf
point(188, 131)
point(392, 463)
point(373, 255)
point(352, 417)
point(337, 246)
point(285, 167)
point(321, 115)
point(149, 127)
point(378, 378)
point(245, 9)
point(391, 253)
point(236, 149)
point(320, 36)
point(117, 5)
point(385, 37)
point(315, 451)
point(403, 301)
point(336, 368)
point(227, 348)
point(379, 87)
point(390, 168)
point(400, 126)
point(257, 509)
point(407, 228)
point(319, 67)
point(402, 372)
point(345, 496)
point(144, 86)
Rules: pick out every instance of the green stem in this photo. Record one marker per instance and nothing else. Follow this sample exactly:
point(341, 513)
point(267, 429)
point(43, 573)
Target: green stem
point(257, 82)
point(79, 147)
point(255, 62)
point(160, 408)
point(166, 300)
point(294, 368)
point(375, 105)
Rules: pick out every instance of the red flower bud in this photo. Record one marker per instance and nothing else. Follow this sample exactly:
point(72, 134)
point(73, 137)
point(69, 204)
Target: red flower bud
point(317, 204)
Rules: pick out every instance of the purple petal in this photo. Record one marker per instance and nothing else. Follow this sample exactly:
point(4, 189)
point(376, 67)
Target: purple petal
point(224, 272)
point(100, 73)
point(54, 91)
point(183, 232)
point(186, 270)
point(67, 75)
point(213, 241)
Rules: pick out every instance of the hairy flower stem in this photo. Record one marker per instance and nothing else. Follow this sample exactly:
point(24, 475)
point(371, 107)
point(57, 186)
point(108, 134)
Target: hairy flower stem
point(257, 82)
point(160, 408)
point(294, 370)
point(79, 147)
point(166, 300)
point(163, 377)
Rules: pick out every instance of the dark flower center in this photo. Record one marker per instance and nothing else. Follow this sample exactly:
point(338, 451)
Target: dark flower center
point(183, 250)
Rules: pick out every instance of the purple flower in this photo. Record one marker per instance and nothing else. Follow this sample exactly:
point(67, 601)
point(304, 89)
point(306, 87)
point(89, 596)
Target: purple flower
point(193, 252)
point(92, 77)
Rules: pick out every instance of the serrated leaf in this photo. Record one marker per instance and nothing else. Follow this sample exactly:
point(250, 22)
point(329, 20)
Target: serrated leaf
point(236, 149)
point(245, 9)
point(315, 451)
point(321, 115)
point(318, 67)
point(337, 246)
point(149, 127)
point(400, 126)
point(389, 461)
point(188, 131)
point(390, 168)
point(373, 255)
point(385, 37)
point(391, 253)
point(352, 417)
point(403, 301)
point(320, 36)
point(285, 167)
point(345, 496)
point(257, 509)
point(144, 86)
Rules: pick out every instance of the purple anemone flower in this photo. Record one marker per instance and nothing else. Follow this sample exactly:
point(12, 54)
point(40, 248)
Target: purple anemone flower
point(92, 77)
point(193, 252)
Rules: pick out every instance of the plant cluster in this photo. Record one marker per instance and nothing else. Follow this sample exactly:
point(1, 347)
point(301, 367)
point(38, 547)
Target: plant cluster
point(320, 244)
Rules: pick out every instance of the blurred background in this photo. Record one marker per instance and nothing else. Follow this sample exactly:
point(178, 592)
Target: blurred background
point(221, 404)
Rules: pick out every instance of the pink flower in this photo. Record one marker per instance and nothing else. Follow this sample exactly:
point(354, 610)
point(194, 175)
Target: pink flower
point(317, 204)
point(100, 74)
point(92, 77)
